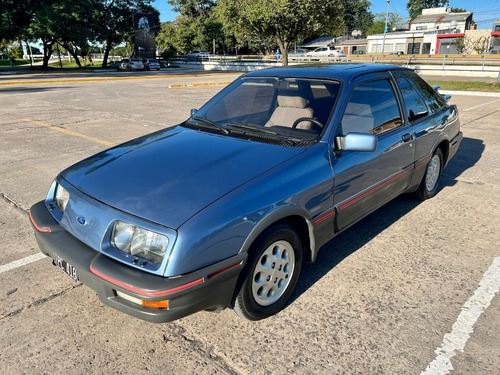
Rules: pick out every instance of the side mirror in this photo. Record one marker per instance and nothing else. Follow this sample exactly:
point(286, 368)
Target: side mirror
point(357, 142)
point(193, 111)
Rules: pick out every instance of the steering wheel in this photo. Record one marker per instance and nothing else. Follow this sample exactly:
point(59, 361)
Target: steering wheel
point(309, 119)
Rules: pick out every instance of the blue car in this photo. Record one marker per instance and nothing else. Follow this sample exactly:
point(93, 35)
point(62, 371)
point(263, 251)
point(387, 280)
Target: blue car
point(223, 209)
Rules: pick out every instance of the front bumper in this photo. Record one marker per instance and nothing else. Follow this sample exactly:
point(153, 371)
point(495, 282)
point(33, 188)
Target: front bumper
point(210, 288)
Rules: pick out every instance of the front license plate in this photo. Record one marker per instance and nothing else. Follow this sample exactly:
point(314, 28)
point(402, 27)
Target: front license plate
point(65, 266)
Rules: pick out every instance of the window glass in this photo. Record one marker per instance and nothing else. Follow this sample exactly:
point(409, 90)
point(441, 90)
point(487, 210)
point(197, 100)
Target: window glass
point(415, 104)
point(273, 103)
point(248, 99)
point(433, 99)
point(372, 108)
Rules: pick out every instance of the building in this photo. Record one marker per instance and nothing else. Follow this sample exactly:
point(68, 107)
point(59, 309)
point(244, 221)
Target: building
point(433, 32)
point(495, 37)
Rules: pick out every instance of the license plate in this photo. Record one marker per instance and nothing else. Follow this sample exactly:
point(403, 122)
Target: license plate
point(65, 266)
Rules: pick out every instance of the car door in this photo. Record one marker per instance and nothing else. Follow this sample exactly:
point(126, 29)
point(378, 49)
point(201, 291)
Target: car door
point(366, 180)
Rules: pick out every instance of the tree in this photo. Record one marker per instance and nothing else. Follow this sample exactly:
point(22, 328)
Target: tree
point(357, 15)
point(395, 20)
point(415, 7)
point(114, 22)
point(283, 20)
point(195, 27)
point(460, 44)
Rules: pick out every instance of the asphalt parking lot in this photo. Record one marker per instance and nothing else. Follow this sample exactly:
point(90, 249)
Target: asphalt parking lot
point(411, 289)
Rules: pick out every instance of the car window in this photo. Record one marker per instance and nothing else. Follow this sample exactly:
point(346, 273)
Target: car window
point(372, 108)
point(432, 98)
point(415, 104)
point(248, 99)
point(274, 104)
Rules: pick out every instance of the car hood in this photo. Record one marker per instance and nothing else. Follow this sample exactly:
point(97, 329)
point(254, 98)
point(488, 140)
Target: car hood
point(168, 176)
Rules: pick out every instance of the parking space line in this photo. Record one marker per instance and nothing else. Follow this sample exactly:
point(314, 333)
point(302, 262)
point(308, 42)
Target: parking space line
point(480, 105)
point(179, 86)
point(70, 132)
point(21, 262)
point(464, 326)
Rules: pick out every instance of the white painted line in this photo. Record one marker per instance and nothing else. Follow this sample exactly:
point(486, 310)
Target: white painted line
point(21, 262)
point(480, 105)
point(464, 326)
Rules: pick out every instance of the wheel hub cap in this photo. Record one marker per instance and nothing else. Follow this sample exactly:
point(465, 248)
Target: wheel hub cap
point(432, 176)
point(273, 273)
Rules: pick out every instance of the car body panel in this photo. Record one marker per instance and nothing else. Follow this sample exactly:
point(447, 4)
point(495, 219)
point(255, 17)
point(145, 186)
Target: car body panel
point(170, 191)
point(150, 64)
point(130, 64)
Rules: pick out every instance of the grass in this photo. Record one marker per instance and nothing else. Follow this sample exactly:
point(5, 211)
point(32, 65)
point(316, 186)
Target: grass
point(6, 62)
point(72, 64)
point(466, 85)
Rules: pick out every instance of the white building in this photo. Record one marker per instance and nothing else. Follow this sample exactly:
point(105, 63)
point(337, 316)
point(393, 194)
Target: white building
point(433, 32)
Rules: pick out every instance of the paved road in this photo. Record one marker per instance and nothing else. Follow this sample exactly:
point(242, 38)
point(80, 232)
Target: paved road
point(385, 297)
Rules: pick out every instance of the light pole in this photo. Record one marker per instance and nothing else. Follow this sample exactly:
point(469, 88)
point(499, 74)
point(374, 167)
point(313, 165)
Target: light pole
point(385, 27)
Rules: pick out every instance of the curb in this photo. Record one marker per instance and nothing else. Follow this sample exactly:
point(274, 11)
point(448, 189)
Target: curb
point(471, 93)
point(97, 79)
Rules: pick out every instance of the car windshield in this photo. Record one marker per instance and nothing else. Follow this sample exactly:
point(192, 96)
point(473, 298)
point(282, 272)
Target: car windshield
point(288, 110)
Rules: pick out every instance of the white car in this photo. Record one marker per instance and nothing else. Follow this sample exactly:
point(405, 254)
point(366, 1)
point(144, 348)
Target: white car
point(326, 52)
point(198, 55)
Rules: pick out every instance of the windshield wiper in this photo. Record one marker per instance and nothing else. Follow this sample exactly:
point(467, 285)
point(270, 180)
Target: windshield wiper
point(256, 129)
point(211, 123)
point(259, 129)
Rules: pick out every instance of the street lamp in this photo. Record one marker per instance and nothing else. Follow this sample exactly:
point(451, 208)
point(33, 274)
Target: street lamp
point(386, 21)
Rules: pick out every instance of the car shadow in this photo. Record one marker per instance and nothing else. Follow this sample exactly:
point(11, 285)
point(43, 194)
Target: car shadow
point(11, 90)
point(354, 238)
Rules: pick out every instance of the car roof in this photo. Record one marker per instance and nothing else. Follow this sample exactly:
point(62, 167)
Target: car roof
point(345, 72)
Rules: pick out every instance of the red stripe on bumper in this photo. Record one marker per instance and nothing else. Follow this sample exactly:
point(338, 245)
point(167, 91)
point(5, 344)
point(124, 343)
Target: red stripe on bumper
point(144, 292)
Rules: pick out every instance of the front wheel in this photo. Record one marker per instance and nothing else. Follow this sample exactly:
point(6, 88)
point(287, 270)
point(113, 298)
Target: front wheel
point(430, 182)
point(273, 268)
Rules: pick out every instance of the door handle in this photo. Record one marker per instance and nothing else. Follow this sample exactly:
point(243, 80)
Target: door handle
point(407, 137)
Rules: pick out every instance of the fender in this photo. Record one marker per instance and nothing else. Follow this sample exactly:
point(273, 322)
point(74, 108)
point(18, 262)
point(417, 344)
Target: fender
point(275, 216)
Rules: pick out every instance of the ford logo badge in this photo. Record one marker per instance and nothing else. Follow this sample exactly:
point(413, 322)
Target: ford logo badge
point(81, 220)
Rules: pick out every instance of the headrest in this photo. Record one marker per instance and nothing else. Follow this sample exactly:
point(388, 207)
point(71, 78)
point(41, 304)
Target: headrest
point(291, 101)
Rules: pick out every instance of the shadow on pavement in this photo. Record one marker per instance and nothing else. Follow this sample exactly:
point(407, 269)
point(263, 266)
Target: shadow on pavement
point(348, 242)
point(17, 89)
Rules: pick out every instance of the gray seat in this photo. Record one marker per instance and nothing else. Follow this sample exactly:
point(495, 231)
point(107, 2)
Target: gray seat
point(357, 118)
point(290, 108)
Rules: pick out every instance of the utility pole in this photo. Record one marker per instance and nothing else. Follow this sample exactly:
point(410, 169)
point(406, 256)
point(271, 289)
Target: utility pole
point(385, 27)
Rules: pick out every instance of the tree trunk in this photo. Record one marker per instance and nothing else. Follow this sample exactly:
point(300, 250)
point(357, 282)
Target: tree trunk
point(72, 52)
point(283, 46)
point(47, 52)
point(107, 50)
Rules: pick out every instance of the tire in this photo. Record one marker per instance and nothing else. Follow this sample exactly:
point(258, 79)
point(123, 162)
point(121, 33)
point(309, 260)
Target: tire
point(430, 182)
point(272, 271)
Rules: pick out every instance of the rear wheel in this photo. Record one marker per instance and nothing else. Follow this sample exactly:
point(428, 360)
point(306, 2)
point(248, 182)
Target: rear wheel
point(272, 271)
point(430, 182)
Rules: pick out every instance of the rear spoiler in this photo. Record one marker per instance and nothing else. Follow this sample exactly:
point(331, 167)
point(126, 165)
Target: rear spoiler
point(446, 97)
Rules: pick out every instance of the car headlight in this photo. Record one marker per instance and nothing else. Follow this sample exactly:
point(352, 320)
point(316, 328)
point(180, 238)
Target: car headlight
point(61, 197)
point(139, 242)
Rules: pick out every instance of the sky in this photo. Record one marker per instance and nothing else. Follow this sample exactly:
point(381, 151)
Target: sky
point(485, 11)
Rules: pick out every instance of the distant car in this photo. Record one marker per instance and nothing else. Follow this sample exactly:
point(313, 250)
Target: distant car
point(399, 53)
point(295, 54)
point(130, 64)
point(163, 63)
point(326, 52)
point(150, 64)
point(223, 209)
point(198, 55)
point(359, 52)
